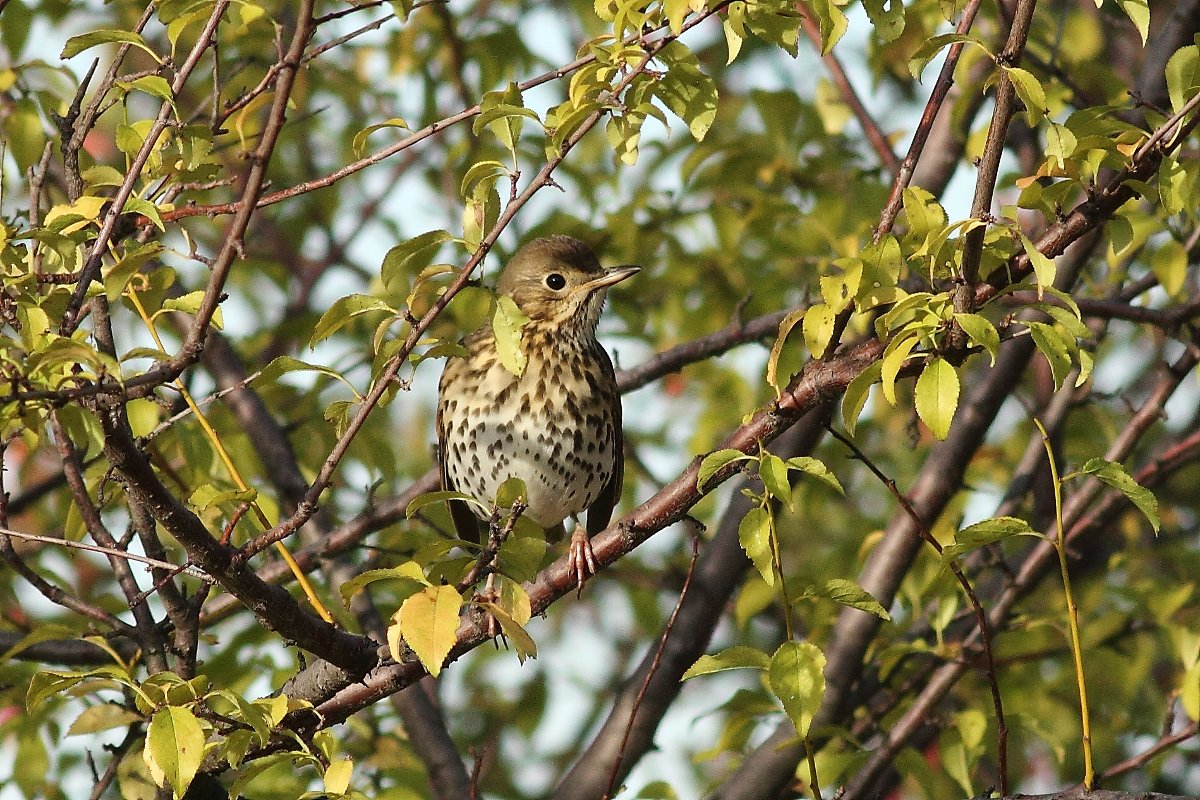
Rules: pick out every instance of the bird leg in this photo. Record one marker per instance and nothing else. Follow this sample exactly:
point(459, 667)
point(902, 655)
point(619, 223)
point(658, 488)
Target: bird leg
point(581, 559)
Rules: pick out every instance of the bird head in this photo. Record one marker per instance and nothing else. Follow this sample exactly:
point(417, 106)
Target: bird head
point(558, 280)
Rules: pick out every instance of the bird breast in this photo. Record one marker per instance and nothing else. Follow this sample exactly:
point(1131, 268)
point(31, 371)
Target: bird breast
point(552, 427)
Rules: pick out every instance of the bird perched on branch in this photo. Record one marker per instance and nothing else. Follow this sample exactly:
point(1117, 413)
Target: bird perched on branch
point(557, 424)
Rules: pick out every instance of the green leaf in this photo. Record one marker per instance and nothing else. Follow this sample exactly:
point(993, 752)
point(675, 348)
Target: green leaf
point(1183, 76)
point(754, 535)
point(342, 311)
point(1054, 347)
point(77, 44)
point(24, 136)
point(686, 90)
point(849, 593)
point(932, 46)
point(1043, 266)
point(504, 113)
point(520, 556)
point(136, 205)
point(1138, 12)
point(736, 657)
point(818, 328)
point(981, 331)
point(1030, 90)
point(118, 276)
point(282, 365)
point(428, 621)
point(360, 138)
point(816, 468)
point(1060, 144)
point(154, 85)
point(49, 682)
point(887, 16)
point(774, 473)
point(102, 717)
point(894, 358)
point(429, 498)
point(1173, 185)
point(42, 633)
point(937, 396)
point(174, 748)
point(398, 258)
point(1189, 693)
point(797, 677)
point(785, 327)
point(1116, 476)
point(1169, 264)
point(832, 21)
point(188, 303)
point(479, 214)
point(510, 491)
point(485, 172)
point(855, 396)
point(715, 461)
point(411, 579)
point(207, 494)
point(984, 533)
point(507, 322)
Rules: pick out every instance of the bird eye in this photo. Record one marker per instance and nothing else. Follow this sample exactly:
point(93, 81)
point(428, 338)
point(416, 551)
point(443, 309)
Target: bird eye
point(555, 281)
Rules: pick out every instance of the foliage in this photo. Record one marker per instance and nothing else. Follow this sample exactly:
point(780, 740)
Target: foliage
point(933, 446)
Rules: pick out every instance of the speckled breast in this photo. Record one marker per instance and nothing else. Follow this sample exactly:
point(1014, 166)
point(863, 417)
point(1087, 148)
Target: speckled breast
point(553, 428)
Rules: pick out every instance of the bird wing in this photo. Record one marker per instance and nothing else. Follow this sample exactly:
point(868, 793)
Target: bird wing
point(465, 522)
point(600, 512)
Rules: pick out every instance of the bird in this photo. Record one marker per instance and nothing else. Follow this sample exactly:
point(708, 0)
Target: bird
point(557, 425)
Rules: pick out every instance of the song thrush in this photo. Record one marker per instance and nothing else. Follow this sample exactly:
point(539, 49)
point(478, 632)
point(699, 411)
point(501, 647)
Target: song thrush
point(557, 426)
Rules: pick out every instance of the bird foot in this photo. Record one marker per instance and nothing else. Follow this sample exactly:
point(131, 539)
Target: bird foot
point(581, 560)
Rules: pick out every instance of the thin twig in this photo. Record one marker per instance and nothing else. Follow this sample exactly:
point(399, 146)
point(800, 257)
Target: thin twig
point(108, 551)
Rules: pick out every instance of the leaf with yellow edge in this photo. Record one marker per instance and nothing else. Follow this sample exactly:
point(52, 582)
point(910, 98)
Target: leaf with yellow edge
point(428, 622)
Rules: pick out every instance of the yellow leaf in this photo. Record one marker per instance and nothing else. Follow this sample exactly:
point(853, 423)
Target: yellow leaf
point(428, 621)
point(937, 396)
point(174, 748)
point(337, 777)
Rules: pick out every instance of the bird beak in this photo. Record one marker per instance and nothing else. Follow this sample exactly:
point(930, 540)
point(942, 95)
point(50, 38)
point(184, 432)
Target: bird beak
point(614, 275)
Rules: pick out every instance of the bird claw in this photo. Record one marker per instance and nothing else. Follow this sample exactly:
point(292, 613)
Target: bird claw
point(581, 559)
